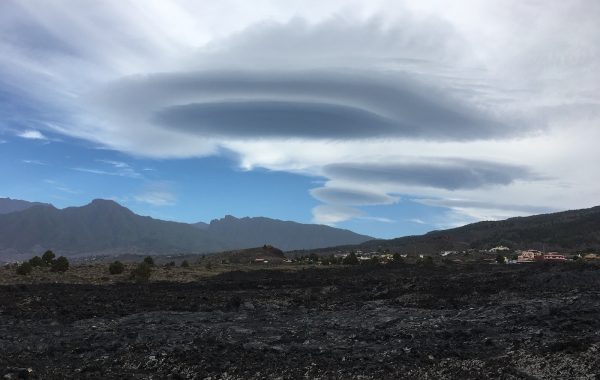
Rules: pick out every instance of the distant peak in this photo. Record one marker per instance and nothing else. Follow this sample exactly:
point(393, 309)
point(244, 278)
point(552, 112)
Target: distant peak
point(104, 202)
point(226, 218)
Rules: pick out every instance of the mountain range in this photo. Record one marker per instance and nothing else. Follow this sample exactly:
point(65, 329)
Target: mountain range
point(104, 227)
point(251, 232)
point(567, 231)
point(8, 205)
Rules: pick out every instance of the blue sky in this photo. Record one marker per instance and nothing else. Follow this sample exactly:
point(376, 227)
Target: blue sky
point(66, 172)
point(389, 118)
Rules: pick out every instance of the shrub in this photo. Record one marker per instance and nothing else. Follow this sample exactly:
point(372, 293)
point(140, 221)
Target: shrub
point(37, 261)
point(116, 267)
point(185, 264)
point(324, 261)
point(60, 265)
point(208, 266)
point(24, 269)
point(500, 259)
point(149, 260)
point(397, 258)
point(142, 272)
point(426, 261)
point(373, 260)
point(48, 257)
point(351, 259)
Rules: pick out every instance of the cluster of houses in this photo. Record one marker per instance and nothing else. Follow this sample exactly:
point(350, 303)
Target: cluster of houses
point(366, 256)
point(531, 256)
point(507, 254)
point(527, 256)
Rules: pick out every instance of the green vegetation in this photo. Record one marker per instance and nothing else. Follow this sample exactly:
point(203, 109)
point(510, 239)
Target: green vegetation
point(149, 260)
point(60, 265)
point(48, 257)
point(37, 261)
point(185, 264)
point(351, 259)
point(500, 259)
point(116, 267)
point(397, 258)
point(373, 260)
point(24, 269)
point(426, 261)
point(142, 272)
point(330, 260)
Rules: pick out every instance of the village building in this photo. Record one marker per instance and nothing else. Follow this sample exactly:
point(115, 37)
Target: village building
point(552, 256)
point(528, 256)
point(533, 255)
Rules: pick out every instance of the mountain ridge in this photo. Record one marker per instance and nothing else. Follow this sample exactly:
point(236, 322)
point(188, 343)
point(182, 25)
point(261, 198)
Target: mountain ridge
point(8, 205)
point(104, 227)
point(98, 227)
point(284, 234)
point(568, 231)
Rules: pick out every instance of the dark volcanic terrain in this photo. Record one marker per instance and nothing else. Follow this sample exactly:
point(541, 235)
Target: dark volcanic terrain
point(474, 321)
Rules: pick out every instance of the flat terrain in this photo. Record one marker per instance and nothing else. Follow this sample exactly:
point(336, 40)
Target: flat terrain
point(97, 273)
point(475, 321)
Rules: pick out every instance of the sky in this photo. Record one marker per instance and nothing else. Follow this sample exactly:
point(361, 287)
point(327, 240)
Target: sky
point(389, 118)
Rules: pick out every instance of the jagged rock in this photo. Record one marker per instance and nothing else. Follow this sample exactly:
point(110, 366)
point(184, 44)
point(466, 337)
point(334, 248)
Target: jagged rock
point(349, 331)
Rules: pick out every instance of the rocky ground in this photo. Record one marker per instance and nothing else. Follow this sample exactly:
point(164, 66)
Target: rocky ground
point(367, 322)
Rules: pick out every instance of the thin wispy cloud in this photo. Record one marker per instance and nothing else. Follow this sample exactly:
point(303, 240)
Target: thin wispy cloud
point(157, 194)
point(377, 219)
point(116, 164)
point(32, 135)
point(116, 168)
point(61, 187)
point(34, 162)
point(156, 198)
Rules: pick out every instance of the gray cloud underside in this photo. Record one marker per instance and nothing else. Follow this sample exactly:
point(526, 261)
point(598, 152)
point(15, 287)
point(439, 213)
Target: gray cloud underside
point(275, 119)
point(351, 197)
point(451, 174)
point(312, 104)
